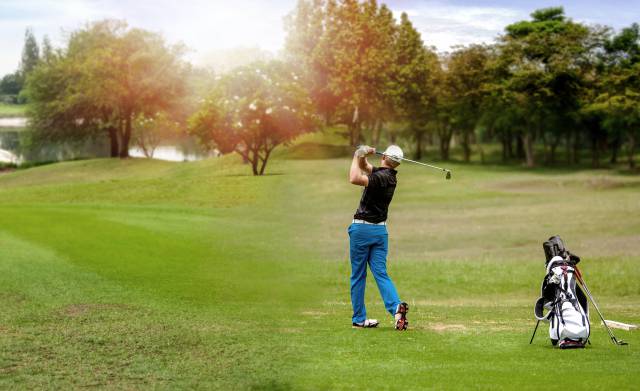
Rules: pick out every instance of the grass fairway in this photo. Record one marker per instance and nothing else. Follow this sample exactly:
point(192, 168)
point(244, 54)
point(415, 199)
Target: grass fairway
point(7, 110)
point(146, 274)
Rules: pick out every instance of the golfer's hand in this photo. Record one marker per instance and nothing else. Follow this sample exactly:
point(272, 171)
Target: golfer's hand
point(365, 150)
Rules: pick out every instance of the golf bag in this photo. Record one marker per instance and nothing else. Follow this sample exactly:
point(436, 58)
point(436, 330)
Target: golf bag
point(565, 301)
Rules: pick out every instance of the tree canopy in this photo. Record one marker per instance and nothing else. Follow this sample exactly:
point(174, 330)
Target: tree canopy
point(106, 76)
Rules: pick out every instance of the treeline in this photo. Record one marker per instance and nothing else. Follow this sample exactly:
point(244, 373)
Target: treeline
point(546, 83)
point(546, 90)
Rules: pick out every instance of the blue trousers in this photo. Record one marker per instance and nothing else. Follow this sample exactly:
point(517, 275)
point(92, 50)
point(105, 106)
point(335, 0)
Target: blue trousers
point(368, 245)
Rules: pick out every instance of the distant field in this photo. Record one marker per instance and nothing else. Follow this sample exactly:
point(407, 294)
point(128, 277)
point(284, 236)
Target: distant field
point(146, 274)
point(7, 110)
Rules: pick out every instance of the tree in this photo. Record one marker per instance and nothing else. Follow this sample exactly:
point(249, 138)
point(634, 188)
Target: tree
point(47, 50)
point(253, 110)
point(30, 54)
point(466, 77)
point(10, 84)
point(413, 83)
point(305, 28)
point(540, 60)
point(619, 98)
point(148, 131)
point(106, 77)
point(347, 48)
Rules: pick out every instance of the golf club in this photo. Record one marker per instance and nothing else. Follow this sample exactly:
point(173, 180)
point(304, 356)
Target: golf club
point(448, 172)
point(586, 289)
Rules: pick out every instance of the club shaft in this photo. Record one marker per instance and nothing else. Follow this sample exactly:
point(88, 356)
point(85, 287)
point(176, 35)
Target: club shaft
point(586, 288)
point(415, 162)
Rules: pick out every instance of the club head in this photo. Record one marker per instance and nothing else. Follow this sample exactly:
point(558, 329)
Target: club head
point(619, 342)
point(448, 176)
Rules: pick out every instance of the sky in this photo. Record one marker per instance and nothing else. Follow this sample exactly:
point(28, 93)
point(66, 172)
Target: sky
point(209, 27)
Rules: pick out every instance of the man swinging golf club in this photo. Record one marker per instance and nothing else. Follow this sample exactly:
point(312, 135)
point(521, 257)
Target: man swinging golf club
point(368, 234)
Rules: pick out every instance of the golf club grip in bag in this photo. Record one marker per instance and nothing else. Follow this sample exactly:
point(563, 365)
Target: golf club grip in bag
point(554, 247)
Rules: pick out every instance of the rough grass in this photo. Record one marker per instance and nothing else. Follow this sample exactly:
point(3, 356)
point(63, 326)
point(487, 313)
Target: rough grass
point(9, 110)
point(143, 274)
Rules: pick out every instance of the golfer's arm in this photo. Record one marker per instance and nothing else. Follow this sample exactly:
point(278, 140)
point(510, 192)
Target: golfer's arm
point(356, 175)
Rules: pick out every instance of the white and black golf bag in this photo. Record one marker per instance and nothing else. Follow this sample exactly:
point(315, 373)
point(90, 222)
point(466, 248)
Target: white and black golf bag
point(564, 300)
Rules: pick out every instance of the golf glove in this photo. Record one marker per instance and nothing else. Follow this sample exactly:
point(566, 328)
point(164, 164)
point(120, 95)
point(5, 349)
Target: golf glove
point(364, 150)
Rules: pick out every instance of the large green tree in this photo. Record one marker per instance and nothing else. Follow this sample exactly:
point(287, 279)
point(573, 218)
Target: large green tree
point(541, 60)
point(618, 98)
point(467, 75)
point(347, 48)
point(107, 75)
point(413, 83)
point(30, 54)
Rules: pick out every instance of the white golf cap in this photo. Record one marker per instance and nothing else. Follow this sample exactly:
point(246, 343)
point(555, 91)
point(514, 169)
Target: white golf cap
point(394, 153)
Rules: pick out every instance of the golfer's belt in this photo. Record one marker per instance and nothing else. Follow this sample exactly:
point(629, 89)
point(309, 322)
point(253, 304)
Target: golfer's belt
point(358, 221)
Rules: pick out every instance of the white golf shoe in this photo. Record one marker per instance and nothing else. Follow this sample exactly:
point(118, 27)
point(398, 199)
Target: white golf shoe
point(368, 323)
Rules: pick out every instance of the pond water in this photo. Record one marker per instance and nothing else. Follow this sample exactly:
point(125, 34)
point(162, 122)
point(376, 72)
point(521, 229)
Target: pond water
point(173, 153)
point(13, 147)
point(13, 122)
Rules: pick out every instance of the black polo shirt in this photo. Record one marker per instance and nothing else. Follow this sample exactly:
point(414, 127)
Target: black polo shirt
point(377, 196)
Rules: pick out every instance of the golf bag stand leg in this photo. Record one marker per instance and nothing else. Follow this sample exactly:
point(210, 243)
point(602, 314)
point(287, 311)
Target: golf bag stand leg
point(534, 332)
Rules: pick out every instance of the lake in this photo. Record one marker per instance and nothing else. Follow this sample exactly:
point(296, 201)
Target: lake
point(12, 148)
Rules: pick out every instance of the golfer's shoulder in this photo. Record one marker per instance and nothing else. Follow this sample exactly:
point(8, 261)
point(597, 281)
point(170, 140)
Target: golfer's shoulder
point(382, 176)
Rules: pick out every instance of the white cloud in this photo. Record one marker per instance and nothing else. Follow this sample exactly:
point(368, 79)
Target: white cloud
point(444, 25)
point(203, 25)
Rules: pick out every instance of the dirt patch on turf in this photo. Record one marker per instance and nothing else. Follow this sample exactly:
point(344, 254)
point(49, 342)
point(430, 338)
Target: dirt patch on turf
point(12, 298)
point(607, 183)
point(541, 186)
point(75, 310)
point(444, 327)
point(527, 186)
point(291, 330)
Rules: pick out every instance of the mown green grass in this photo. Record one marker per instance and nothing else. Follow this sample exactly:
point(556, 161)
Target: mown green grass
point(8, 110)
point(146, 274)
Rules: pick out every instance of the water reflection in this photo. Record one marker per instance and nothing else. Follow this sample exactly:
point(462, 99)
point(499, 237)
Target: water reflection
point(13, 122)
point(16, 148)
point(173, 153)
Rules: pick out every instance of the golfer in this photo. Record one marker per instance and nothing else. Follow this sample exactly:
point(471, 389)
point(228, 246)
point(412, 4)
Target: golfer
point(368, 234)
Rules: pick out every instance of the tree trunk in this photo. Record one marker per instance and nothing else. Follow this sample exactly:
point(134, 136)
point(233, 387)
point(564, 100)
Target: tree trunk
point(429, 139)
point(254, 162)
point(354, 134)
point(419, 136)
point(466, 147)
point(376, 134)
point(392, 136)
point(509, 144)
point(575, 150)
point(264, 161)
point(503, 140)
point(615, 147)
point(113, 141)
point(126, 138)
point(546, 149)
point(595, 151)
point(445, 143)
point(528, 149)
point(520, 147)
